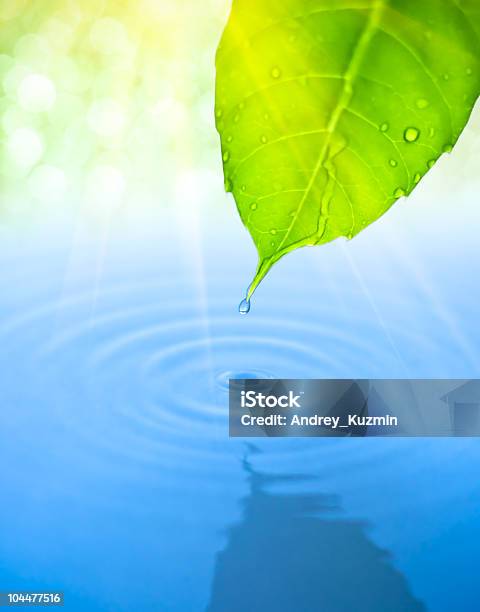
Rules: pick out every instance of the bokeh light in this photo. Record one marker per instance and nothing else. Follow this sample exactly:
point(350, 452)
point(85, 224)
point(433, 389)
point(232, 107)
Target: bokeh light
point(25, 147)
point(36, 93)
point(106, 104)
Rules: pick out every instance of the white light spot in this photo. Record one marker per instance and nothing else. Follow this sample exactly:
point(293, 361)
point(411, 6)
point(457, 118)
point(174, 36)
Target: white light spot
point(193, 187)
point(25, 147)
point(48, 183)
point(13, 78)
point(106, 187)
point(37, 93)
point(170, 114)
point(106, 118)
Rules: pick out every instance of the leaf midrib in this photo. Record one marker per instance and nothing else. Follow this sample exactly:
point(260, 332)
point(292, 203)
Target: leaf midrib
point(349, 77)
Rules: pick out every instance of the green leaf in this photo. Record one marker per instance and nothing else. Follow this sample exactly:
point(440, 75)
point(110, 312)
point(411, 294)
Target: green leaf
point(331, 110)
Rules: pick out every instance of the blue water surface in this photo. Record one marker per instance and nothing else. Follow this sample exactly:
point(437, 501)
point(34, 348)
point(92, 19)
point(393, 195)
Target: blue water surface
point(119, 484)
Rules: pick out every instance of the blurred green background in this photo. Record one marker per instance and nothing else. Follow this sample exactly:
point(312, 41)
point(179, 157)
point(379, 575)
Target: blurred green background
point(104, 103)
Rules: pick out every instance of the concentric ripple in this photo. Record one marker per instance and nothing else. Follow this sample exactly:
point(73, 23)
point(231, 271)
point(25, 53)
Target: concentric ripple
point(137, 375)
point(226, 378)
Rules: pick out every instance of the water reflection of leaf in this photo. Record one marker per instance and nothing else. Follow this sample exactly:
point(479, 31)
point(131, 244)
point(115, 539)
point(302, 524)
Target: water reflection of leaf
point(291, 552)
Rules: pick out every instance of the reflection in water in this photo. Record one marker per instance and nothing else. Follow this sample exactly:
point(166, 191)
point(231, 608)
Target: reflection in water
point(289, 554)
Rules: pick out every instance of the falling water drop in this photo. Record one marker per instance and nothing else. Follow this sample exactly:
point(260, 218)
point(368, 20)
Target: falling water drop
point(244, 307)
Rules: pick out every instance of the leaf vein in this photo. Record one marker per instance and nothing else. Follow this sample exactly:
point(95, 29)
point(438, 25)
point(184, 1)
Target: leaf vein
point(294, 79)
point(349, 76)
point(273, 142)
point(426, 70)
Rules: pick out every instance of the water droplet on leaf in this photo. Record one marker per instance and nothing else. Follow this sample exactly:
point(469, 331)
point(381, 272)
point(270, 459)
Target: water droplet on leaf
point(393, 163)
point(254, 206)
point(226, 156)
point(416, 178)
point(431, 163)
point(447, 148)
point(264, 139)
point(273, 232)
point(399, 193)
point(411, 134)
point(384, 127)
point(422, 103)
point(276, 72)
